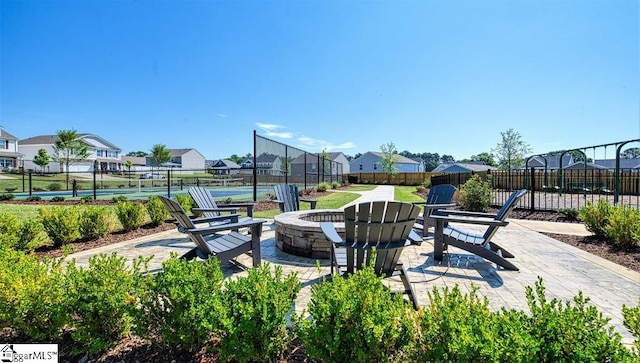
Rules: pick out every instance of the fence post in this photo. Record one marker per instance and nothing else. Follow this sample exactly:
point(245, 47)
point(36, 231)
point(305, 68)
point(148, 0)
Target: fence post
point(95, 171)
point(30, 188)
point(533, 189)
point(168, 183)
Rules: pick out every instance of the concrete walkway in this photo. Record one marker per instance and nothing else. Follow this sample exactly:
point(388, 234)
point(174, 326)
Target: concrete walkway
point(565, 270)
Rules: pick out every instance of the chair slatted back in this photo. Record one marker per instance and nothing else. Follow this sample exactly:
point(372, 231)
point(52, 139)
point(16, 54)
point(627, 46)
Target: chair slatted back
point(383, 225)
point(204, 199)
point(176, 211)
point(502, 214)
point(288, 193)
point(440, 194)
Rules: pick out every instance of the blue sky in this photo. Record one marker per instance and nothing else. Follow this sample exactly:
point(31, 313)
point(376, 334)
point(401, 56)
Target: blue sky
point(430, 76)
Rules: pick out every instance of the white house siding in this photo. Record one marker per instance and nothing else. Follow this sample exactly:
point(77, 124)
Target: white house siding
point(371, 163)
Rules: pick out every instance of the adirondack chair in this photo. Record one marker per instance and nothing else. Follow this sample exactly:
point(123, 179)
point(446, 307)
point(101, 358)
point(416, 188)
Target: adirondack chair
point(288, 198)
point(439, 197)
point(480, 245)
point(210, 243)
point(207, 205)
point(385, 226)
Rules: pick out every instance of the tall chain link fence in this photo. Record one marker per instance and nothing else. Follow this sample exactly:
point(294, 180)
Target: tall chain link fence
point(278, 163)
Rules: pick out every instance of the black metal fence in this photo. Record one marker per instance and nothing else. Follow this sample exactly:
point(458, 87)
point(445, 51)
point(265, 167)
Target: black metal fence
point(552, 190)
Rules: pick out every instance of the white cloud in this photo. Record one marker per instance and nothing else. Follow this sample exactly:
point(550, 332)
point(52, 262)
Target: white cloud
point(312, 144)
point(222, 115)
point(270, 130)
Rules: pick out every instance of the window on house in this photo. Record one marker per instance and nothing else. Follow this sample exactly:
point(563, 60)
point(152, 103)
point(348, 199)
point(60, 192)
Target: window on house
point(375, 166)
point(360, 166)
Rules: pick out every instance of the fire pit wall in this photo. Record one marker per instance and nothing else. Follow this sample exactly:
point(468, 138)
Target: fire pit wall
point(299, 232)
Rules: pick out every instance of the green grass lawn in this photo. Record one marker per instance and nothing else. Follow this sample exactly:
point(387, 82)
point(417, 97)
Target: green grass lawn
point(329, 201)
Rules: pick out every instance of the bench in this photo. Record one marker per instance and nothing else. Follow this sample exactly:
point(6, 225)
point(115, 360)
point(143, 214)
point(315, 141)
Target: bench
point(588, 187)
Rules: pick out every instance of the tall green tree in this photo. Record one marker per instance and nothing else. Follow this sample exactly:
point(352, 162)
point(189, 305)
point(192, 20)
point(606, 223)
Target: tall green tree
point(139, 154)
point(69, 148)
point(630, 153)
point(485, 157)
point(159, 155)
point(42, 159)
point(389, 159)
point(511, 150)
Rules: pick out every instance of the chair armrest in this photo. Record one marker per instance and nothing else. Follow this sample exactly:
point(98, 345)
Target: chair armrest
point(469, 220)
point(329, 230)
point(224, 209)
point(438, 206)
point(313, 202)
point(226, 227)
point(248, 206)
point(233, 217)
point(414, 238)
point(450, 212)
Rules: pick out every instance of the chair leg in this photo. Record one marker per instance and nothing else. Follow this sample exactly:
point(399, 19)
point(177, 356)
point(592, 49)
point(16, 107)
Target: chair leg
point(190, 255)
point(409, 287)
point(495, 248)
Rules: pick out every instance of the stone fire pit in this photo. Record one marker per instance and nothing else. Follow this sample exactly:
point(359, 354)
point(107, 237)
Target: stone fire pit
point(299, 232)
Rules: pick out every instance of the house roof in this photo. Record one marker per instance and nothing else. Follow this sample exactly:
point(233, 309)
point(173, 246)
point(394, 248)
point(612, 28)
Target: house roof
point(473, 166)
point(90, 139)
point(400, 158)
point(224, 164)
point(6, 135)
point(266, 158)
point(580, 166)
point(136, 160)
point(553, 161)
point(633, 163)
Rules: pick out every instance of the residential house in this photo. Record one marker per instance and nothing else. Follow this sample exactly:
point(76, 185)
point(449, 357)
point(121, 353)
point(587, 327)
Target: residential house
point(222, 167)
point(9, 155)
point(336, 163)
point(552, 162)
point(184, 161)
point(371, 162)
point(632, 164)
point(580, 166)
point(266, 164)
point(466, 167)
point(106, 154)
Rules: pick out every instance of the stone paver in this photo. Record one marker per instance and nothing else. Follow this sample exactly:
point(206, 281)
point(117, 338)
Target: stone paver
point(564, 269)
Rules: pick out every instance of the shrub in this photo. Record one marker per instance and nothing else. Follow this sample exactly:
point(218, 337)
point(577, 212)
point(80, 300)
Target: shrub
point(570, 213)
point(181, 305)
point(570, 332)
point(30, 235)
point(426, 183)
point(475, 195)
point(355, 320)
point(57, 199)
point(631, 317)
point(24, 235)
point(38, 189)
point(95, 222)
point(60, 223)
point(54, 187)
point(33, 198)
point(99, 299)
point(335, 185)
point(6, 196)
point(157, 210)
point(596, 217)
point(254, 323)
point(623, 226)
point(420, 189)
point(460, 327)
point(32, 295)
point(186, 201)
point(86, 198)
point(323, 186)
point(119, 198)
point(130, 215)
